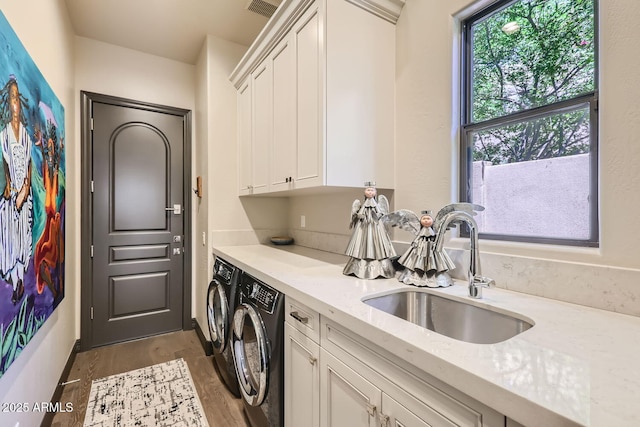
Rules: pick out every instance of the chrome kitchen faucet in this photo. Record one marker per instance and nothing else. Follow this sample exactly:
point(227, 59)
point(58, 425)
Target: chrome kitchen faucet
point(476, 280)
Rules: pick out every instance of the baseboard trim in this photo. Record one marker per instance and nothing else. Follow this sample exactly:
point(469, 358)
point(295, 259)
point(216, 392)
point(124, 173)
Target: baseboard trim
point(57, 393)
point(206, 344)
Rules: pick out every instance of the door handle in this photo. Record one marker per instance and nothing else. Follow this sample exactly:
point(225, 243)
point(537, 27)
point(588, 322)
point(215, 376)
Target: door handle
point(371, 409)
point(298, 317)
point(177, 209)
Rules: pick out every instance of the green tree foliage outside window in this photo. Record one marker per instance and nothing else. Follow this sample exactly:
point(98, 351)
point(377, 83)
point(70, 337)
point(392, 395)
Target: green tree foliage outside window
point(530, 54)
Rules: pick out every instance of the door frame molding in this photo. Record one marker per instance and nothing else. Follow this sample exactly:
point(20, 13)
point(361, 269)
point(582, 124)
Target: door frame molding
point(86, 266)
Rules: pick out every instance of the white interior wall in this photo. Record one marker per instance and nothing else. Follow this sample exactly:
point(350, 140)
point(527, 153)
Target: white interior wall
point(221, 210)
point(112, 70)
point(46, 33)
point(200, 207)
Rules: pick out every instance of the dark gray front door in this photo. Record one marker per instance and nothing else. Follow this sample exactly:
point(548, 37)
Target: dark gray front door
point(138, 237)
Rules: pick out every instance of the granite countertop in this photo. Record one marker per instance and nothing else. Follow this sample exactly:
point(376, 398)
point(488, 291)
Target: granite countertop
point(576, 366)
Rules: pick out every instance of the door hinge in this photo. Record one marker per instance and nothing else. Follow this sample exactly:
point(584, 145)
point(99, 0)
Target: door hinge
point(92, 186)
point(91, 251)
point(91, 313)
point(91, 123)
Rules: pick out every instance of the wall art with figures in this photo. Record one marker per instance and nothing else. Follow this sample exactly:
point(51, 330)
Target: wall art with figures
point(32, 198)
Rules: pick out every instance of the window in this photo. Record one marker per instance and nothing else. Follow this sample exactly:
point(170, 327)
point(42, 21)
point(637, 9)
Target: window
point(529, 125)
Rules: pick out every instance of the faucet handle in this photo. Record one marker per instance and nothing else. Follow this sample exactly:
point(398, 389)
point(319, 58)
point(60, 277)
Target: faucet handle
point(485, 282)
point(477, 283)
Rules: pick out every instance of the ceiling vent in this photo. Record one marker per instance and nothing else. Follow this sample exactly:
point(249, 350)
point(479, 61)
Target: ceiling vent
point(263, 7)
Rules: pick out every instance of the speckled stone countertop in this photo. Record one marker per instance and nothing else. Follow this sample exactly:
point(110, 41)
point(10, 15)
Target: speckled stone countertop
point(576, 366)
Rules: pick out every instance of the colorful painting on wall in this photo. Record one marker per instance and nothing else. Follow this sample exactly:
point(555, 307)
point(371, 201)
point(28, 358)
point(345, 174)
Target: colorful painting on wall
point(32, 197)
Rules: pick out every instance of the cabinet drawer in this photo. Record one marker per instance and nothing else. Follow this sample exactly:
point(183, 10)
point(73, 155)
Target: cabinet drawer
point(303, 319)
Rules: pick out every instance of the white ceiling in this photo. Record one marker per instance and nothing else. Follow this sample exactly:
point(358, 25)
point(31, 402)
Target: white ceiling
point(172, 29)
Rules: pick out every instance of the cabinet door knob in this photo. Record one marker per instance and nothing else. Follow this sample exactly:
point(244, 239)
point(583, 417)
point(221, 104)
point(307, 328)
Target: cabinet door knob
point(384, 420)
point(312, 360)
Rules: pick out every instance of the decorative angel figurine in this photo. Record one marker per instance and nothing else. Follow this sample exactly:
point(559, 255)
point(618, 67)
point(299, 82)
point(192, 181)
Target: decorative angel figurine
point(370, 249)
point(425, 264)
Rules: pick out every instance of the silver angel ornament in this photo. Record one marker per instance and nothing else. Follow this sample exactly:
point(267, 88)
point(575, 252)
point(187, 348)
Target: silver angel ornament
point(370, 249)
point(424, 263)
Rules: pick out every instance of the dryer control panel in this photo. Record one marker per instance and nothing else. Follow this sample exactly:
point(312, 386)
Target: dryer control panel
point(223, 270)
point(260, 294)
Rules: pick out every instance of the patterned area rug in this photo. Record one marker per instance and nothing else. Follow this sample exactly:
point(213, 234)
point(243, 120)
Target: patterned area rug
point(158, 395)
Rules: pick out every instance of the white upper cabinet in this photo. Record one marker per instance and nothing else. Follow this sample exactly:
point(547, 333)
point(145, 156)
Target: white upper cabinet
point(245, 175)
point(283, 145)
point(310, 147)
point(360, 96)
point(323, 114)
point(262, 127)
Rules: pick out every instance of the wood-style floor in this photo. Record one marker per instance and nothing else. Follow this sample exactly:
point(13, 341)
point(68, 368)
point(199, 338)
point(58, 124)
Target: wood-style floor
point(221, 407)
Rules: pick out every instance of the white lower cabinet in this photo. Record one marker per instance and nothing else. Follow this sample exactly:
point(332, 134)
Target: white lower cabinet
point(301, 379)
point(302, 366)
point(405, 396)
point(348, 399)
point(339, 379)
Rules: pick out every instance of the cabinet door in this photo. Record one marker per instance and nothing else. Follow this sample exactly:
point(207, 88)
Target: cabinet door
point(301, 379)
point(309, 106)
point(360, 96)
point(283, 148)
point(261, 127)
point(244, 138)
point(418, 399)
point(346, 398)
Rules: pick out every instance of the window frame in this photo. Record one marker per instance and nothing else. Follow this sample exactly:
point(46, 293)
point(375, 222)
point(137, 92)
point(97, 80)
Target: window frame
point(467, 128)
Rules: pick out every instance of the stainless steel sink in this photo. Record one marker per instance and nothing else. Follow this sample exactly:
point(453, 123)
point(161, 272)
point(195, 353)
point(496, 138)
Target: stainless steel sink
point(455, 319)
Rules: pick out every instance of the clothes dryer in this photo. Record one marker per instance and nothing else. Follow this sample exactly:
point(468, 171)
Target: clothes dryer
point(258, 351)
point(221, 302)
